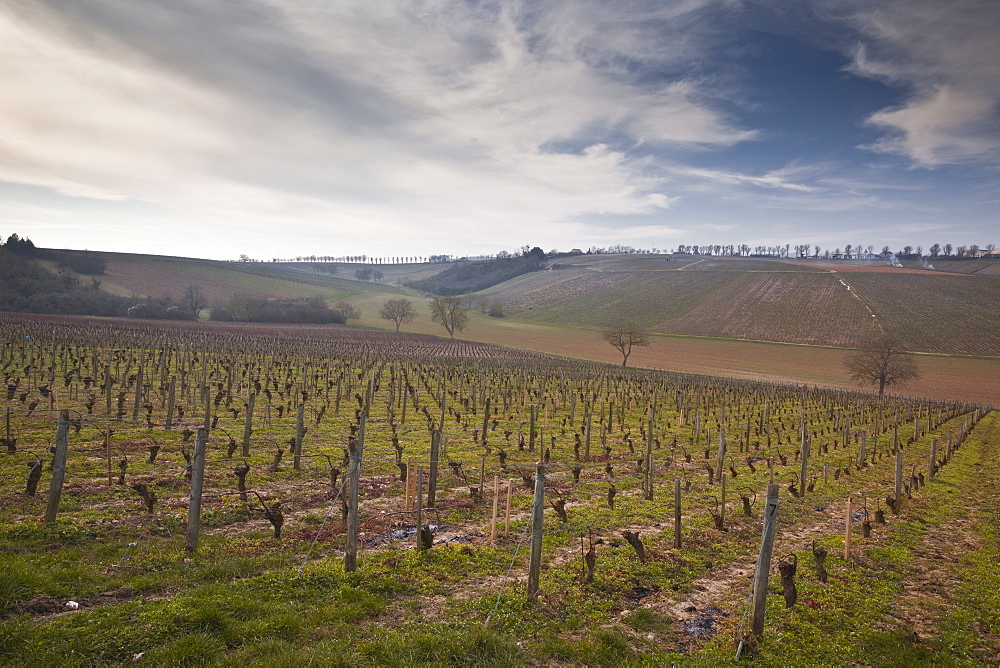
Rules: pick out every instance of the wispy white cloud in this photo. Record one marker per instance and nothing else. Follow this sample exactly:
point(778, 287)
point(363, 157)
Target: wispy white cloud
point(779, 178)
point(438, 125)
point(440, 112)
point(947, 55)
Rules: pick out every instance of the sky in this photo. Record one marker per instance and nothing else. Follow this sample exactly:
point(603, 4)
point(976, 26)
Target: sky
point(281, 128)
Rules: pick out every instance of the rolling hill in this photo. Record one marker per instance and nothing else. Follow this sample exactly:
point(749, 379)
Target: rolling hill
point(828, 304)
point(813, 303)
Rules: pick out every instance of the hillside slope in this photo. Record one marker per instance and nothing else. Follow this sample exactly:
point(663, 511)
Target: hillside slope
point(815, 303)
point(768, 300)
point(162, 276)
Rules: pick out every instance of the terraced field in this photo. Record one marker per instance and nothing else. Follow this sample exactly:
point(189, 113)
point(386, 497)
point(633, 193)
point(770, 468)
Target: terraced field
point(780, 306)
point(829, 304)
point(599, 297)
point(155, 276)
point(805, 302)
point(941, 314)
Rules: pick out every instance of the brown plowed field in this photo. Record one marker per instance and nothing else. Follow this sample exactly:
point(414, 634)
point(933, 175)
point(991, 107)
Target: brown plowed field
point(962, 379)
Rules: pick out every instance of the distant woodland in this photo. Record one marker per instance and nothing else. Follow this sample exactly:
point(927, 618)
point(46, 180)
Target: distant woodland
point(29, 283)
point(26, 285)
point(471, 276)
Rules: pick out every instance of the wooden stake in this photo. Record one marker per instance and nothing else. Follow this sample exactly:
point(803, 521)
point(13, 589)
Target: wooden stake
point(420, 504)
point(354, 476)
point(107, 452)
point(764, 562)
point(899, 477)
point(248, 424)
point(496, 506)
point(197, 481)
point(510, 495)
point(433, 475)
point(847, 530)
point(58, 466)
point(677, 513)
point(171, 395)
point(537, 529)
point(299, 424)
point(804, 469)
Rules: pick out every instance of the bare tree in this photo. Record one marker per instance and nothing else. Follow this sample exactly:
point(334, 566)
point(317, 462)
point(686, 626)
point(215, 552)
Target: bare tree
point(349, 311)
point(194, 300)
point(882, 360)
point(624, 336)
point(450, 312)
point(399, 311)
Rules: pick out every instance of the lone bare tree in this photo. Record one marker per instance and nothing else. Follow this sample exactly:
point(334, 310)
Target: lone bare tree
point(450, 312)
point(626, 335)
point(349, 311)
point(398, 310)
point(881, 360)
point(194, 300)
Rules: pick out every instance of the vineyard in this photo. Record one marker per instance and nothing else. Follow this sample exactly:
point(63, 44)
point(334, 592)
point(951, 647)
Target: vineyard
point(953, 314)
point(156, 276)
point(809, 302)
point(788, 302)
point(232, 495)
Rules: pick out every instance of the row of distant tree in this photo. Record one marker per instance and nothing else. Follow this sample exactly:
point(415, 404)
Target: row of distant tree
point(847, 252)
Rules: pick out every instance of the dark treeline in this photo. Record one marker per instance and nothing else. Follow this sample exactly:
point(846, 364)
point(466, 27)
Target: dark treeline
point(254, 309)
point(27, 286)
point(464, 277)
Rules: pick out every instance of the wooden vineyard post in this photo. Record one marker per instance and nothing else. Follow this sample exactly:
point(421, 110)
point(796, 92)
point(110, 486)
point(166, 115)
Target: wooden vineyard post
point(248, 424)
point(411, 483)
point(722, 453)
point(137, 399)
point(804, 470)
point(510, 495)
point(899, 477)
point(107, 388)
point(486, 422)
point(482, 474)
point(864, 443)
point(537, 528)
point(932, 460)
point(677, 514)
point(207, 398)
point(107, 453)
point(648, 487)
point(351, 552)
point(58, 466)
point(299, 424)
point(533, 417)
point(171, 398)
point(722, 496)
point(847, 528)
point(6, 426)
point(197, 481)
point(432, 477)
point(496, 507)
point(419, 501)
point(764, 562)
